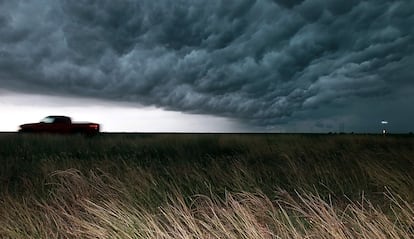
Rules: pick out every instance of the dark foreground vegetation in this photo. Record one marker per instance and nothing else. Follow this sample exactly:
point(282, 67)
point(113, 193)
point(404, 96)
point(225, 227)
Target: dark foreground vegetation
point(206, 186)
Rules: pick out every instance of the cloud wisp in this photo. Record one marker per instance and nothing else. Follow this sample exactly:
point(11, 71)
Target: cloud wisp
point(264, 62)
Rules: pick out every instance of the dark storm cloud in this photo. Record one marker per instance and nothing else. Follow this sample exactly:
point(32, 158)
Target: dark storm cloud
point(260, 61)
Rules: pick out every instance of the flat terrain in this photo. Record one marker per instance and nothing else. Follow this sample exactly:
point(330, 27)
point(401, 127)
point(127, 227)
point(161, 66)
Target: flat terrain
point(206, 186)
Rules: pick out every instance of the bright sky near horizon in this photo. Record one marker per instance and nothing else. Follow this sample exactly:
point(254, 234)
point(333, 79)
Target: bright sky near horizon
point(209, 66)
point(18, 109)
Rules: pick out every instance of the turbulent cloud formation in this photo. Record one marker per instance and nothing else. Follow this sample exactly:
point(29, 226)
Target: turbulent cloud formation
point(264, 62)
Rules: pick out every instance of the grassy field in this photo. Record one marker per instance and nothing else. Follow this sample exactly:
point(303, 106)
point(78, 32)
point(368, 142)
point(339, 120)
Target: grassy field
point(206, 186)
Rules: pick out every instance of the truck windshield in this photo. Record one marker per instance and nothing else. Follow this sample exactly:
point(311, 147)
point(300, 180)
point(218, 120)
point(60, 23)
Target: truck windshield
point(47, 120)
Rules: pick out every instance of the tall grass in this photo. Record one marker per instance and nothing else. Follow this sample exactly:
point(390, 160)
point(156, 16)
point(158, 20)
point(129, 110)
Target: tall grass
point(206, 186)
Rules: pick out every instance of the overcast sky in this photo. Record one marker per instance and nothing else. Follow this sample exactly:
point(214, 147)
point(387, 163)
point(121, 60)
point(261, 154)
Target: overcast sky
point(216, 65)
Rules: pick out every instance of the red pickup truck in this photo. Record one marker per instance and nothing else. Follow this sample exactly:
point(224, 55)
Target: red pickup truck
point(61, 125)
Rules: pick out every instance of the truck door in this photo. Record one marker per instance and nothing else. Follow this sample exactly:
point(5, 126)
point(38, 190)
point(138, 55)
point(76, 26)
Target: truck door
point(61, 125)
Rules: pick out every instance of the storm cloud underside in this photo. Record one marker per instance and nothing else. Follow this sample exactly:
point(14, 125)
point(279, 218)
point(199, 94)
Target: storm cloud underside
point(264, 62)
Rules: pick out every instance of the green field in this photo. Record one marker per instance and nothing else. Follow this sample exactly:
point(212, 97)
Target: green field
point(206, 186)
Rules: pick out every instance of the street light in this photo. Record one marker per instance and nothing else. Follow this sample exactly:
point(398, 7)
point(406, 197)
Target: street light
point(384, 123)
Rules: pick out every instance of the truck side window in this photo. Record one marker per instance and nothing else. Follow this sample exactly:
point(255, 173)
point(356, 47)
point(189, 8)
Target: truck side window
point(61, 120)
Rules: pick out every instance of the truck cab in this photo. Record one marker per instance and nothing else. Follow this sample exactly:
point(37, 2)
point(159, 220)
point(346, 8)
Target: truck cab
point(55, 124)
